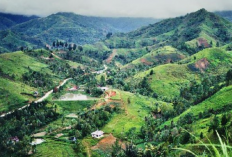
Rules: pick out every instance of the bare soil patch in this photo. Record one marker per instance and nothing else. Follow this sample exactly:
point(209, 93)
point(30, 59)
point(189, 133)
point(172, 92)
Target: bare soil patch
point(203, 42)
point(59, 135)
point(111, 57)
point(106, 143)
point(40, 134)
point(202, 64)
point(144, 61)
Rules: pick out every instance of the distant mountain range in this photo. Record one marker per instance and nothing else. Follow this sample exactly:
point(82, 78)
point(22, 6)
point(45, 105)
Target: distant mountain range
point(171, 82)
point(19, 30)
point(69, 27)
point(9, 20)
point(225, 14)
point(194, 29)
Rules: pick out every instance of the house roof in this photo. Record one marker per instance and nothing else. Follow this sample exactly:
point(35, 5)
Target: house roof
point(98, 132)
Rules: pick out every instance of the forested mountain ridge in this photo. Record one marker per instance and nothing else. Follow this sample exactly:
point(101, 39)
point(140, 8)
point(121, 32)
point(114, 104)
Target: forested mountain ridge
point(68, 27)
point(201, 27)
point(225, 14)
point(9, 20)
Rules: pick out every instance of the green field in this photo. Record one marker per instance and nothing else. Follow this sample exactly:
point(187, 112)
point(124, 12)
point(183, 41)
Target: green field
point(133, 113)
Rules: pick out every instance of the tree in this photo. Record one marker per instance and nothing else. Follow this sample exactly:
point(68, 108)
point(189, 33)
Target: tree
point(80, 48)
point(211, 43)
point(201, 135)
point(54, 44)
point(57, 43)
point(50, 56)
point(229, 77)
point(214, 124)
point(74, 47)
point(224, 120)
point(102, 81)
point(108, 35)
point(116, 149)
point(131, 150)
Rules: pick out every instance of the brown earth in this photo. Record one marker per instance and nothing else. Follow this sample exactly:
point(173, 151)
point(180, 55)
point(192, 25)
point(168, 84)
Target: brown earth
point(107, 142)
point(203, 42)
point(144, 61)
point(107, 99)
point(202, 64)
point(111, 93)
point(111, 57)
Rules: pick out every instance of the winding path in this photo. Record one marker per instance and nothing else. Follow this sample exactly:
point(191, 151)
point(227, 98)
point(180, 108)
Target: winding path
point(101, 71)
point(111, 57)
point(39, 100)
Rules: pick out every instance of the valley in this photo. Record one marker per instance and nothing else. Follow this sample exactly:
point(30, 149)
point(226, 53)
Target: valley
point(159, 90)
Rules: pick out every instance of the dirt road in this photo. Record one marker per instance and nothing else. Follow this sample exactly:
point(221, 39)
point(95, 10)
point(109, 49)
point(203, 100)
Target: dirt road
point(40, 99)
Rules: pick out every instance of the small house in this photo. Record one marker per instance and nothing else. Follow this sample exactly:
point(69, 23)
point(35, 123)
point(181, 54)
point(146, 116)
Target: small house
point(14, 139)
point(103, 88)
point(37, 141)
point(97, 134)
point(74, 88)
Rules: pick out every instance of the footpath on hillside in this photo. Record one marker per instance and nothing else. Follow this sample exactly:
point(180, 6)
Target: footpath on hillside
point(111, 57)
point(39, 100)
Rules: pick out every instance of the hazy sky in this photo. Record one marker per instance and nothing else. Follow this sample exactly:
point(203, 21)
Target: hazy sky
point(114, 8)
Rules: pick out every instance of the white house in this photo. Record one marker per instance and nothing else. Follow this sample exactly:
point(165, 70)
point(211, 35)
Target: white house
point(37, 141)
point(103, 88)
point(97, 134)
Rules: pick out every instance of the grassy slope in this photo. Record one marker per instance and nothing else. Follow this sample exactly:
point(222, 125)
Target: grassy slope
point(13, 66)
point(134, 113)
point(153, 57)
point(53, 146)
point(10, 97)
point(17, 63)
point(167, 79)
point(218, 101)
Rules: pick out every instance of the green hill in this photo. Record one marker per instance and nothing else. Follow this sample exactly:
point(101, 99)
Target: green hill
point(68, 27)
point(225, 14)
point(11, 41)
point(194, 30)
point(23, 73)
point(15, 88)
point(167, 79)
point(9, 20)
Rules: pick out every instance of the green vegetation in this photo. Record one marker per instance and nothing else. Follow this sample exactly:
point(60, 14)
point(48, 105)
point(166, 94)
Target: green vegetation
point(74, 106)
point(168, 88)
point(36, 32)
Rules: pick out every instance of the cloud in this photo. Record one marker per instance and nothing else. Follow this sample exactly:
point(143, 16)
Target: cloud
point(113, 8)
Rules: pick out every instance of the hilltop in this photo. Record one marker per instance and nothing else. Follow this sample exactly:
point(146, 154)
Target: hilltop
point(225, 14)
point(198, 29)
point(68, 27)
point(9, 20)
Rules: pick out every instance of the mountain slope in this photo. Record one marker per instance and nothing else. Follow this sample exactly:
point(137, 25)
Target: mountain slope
point(23, 73)
point(225, 14)
point(9, 20)
point(169, 78)
point(14, 41)
point(198, 29)
point(73, 28)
